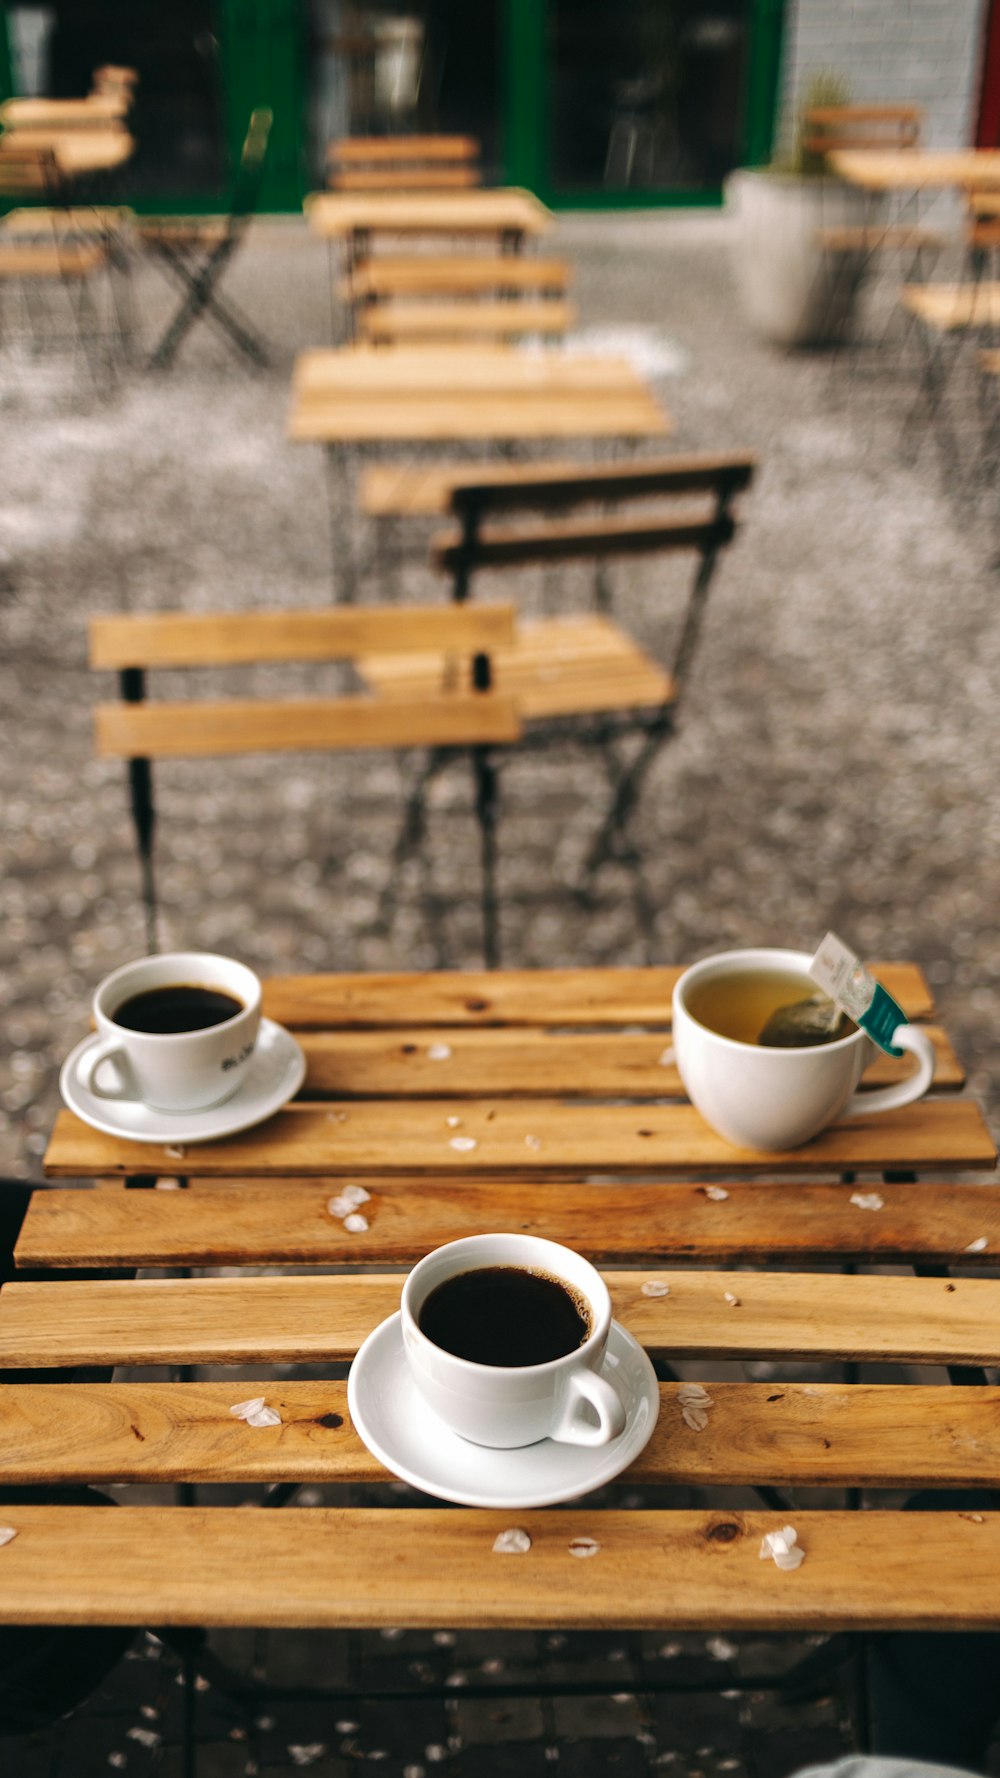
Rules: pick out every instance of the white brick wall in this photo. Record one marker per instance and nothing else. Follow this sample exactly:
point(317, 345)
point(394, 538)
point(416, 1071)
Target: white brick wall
point(924, 52)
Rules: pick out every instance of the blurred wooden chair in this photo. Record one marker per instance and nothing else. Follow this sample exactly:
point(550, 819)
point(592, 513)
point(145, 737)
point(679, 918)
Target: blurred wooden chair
point(448, 297)
point(112, 78)
point(48, 246)
point(194, 251)
point(828, 127)
point(579, 679)
point(473, 716)
point(403, 163)
point(865, 249)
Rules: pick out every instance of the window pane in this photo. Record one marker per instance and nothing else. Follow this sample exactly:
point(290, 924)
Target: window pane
point(646, 94)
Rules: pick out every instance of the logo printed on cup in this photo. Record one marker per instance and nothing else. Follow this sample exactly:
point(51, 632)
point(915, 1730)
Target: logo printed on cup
point(761, 1097)
point(176, 1031)
point(505, 1336)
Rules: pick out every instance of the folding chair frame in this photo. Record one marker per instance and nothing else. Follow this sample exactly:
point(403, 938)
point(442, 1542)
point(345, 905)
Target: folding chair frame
point(197, 267)
point(613, 842)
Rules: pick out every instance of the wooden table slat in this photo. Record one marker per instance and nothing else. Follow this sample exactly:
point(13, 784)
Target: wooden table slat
point(882, 169)
point(727, 1315)
point(346, 420)
point(758, 1434)
point(512, 1137)
point(561, 998)
point(289, 1222)
point(356, 1567)
point(530, 1064)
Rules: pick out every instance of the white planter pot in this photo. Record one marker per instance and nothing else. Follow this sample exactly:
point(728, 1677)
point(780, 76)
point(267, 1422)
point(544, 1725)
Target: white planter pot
point(795, 291)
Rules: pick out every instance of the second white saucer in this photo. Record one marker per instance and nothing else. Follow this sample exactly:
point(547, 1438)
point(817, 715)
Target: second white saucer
point(404, 1434)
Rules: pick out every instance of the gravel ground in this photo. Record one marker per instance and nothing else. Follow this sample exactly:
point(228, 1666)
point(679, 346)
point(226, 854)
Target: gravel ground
point(836, 765)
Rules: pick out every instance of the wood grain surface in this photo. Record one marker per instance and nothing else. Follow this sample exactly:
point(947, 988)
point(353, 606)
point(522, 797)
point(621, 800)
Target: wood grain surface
point(560, 998)
point(289, 1222)
point(531, 1064)
point(335, 1568)
point(757, 1434)
point(513, 1137)
point(319, 1319)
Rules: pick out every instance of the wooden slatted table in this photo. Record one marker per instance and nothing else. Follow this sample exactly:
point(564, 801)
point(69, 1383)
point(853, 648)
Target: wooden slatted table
point(346, 396)
point(565, 1083)
point(917, 169)
point(356, 399)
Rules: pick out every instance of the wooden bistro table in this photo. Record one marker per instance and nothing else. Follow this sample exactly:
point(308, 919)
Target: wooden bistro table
point(545, 1102)
point(355, 400)
point(908, 176)
point(918, 169)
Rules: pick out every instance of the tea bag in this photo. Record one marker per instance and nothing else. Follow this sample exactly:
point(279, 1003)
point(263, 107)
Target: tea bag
point(871, 1006)
point(804, 1023)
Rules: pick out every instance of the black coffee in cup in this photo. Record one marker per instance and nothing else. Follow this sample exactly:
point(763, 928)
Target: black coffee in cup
point(179, 1006)
point(506, 1315)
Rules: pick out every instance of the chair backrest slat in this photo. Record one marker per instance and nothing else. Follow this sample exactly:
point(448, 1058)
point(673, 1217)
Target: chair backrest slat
point(241, 726)
point(396, 150)
point(455, 177)
point(721, 476)
point(557, 490)
point(567, 542)
point(178, 639)
point(829, 127)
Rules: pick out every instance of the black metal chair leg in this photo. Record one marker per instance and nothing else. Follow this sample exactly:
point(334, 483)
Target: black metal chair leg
point(630, 782)
point(410, 836)
point(487, 811)
point(190, 1722)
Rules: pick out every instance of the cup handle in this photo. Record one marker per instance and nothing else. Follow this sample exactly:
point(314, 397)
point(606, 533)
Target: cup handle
point(906, 1037)
point(108, 1051)
point(585, 1389)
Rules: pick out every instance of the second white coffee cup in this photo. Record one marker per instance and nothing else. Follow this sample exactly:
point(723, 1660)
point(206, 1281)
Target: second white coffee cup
point(174, 1069)
point(508, 1405)
point(762, 1098)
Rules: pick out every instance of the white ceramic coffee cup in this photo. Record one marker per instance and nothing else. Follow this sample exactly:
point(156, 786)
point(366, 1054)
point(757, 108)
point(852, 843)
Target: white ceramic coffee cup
point(565, 1399)
point(762, 1098)
point(181, 1070)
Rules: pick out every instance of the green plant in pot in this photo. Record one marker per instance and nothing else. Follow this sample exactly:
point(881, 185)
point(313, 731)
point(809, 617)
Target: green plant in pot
point(795, 290)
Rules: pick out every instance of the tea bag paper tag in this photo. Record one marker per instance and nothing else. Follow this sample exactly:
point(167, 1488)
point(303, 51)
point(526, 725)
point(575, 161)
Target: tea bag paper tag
point(839, 973)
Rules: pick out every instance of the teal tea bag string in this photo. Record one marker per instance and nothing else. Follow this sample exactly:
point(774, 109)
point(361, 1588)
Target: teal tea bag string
point(841, 975)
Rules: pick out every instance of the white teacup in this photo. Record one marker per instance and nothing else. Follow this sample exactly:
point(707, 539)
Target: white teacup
point(762, 1098)
point(180, 1069)
point(507, 1405)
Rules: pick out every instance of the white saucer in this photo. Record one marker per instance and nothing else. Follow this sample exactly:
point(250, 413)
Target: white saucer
point(405, 1435)
point(276, 1072)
